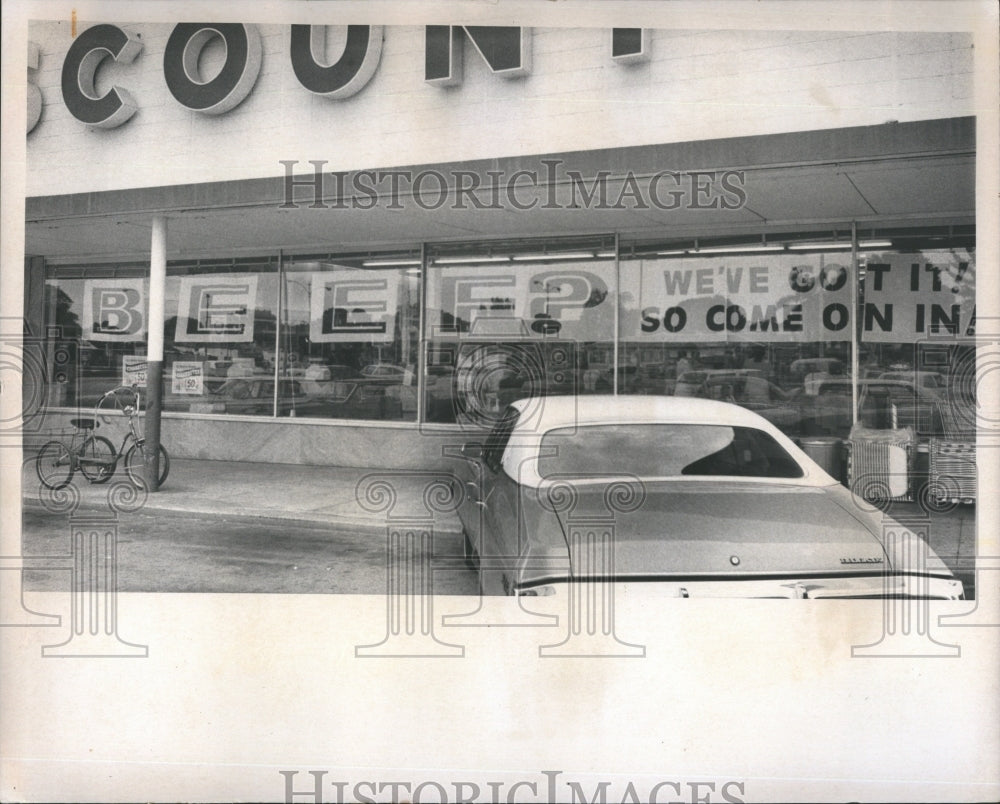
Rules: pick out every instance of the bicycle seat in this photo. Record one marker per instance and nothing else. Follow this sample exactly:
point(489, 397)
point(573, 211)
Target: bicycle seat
point(83, 424)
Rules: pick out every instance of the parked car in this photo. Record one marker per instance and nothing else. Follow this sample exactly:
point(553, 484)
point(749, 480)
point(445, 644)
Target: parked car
point(882, 404)
point(384, 370)
point(707, 499)
point(805, 366)
point(649, 378)
point(753, 392)
point(692, 383)
point(252, 396)
point(930, 381)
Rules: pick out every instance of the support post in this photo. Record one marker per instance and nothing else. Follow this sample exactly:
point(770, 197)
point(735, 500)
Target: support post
point(154, 352)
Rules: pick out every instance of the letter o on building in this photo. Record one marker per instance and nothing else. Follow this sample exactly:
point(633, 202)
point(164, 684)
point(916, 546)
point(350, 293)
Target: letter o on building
point(233, 83)
point(85, 55)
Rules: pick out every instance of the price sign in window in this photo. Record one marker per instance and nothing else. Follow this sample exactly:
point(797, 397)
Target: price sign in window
point(188, 378)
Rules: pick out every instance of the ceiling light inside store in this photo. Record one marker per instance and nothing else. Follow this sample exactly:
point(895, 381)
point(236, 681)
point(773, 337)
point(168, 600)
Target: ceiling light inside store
point(568, 255)
point(819, 246)
point(388, 263)
point(735, 249)
point(467, 260)
point(875, 244)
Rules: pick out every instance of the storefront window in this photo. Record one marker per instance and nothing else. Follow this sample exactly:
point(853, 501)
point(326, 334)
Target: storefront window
point(917, 323)
point(752, 324)
point(517, 320)
point(96, 320)
point(765, 323)
point(219, 334)
point(350, 336)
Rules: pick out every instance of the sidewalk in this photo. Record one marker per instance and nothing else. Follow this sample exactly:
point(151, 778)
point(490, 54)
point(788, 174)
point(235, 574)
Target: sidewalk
point(324, 496)
point(328, 496)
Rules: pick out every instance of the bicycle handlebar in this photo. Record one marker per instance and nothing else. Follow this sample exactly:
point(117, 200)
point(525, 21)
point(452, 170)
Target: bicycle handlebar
point(134, 388)
point(128, 409)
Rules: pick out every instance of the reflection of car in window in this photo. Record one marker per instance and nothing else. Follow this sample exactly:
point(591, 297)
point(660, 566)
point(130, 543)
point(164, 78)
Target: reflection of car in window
point(383, 370)
point(805, 366)
point(929, 381)
point(246, 396)
point(882, 404)
point(692, 383)
point(744, 387)
point(707, 499)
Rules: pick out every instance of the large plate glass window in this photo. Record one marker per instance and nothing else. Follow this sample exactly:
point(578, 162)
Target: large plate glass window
point(917, 325)
point(220, 323)
point(756, 322)
point(516, 319)
point(96, 326)
point(350, 335)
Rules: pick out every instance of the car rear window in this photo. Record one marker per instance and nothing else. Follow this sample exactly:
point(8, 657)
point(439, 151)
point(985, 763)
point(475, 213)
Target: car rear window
point(664, 450)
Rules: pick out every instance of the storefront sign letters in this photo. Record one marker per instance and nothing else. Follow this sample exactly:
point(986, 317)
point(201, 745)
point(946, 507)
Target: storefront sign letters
point(506, 51)
point(79, 71)
point(548, 302)
point(236, 78)
point(114, 310)
point(218, 309)
point(909, 296)
point(34, 93)
point(353, 305)
point(345, 77)
point(786, 300)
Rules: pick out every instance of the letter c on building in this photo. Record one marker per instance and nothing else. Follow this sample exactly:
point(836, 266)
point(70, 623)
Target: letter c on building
point(85, 55)
point(233, 83)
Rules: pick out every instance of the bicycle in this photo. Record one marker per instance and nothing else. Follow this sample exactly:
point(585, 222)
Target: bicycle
point(95, 456)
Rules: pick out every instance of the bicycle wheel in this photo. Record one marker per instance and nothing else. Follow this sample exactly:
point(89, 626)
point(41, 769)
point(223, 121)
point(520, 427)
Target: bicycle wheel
point(97, 459)
point(135, 464)
point(54, 465)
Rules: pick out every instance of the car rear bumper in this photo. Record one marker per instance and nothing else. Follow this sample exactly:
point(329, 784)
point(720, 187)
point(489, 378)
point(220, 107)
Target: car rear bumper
point(874, 586)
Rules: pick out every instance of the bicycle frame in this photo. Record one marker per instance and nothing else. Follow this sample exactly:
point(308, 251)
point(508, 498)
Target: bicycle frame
point(131, 408)
point(99, 461)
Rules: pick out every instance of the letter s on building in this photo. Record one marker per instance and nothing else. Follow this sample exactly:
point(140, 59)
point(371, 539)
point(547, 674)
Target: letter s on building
point(85, 55)
point(34, 93)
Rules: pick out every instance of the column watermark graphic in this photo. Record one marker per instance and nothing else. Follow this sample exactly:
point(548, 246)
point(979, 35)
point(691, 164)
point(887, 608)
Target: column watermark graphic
point(591, 587)
point(907, 589)
point(409, 554)
point(45, 371)
point(91, 566)
point(975, 405)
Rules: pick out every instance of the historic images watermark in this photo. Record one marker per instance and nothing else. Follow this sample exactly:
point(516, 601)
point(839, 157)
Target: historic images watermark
point(552, 187)
point(44, 367)
point(548, 785)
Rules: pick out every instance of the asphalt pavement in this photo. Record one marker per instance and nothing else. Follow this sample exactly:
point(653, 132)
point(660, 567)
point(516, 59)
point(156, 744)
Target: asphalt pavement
point(335, 499)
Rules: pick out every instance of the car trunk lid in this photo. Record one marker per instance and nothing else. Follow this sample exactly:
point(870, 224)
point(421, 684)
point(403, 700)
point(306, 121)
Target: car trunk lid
point(684, 528)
